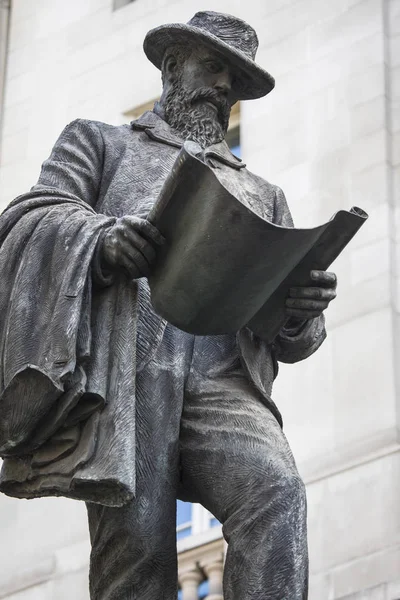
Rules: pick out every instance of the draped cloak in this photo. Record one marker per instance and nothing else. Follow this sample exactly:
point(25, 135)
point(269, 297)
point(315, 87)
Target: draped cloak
point(71, 338)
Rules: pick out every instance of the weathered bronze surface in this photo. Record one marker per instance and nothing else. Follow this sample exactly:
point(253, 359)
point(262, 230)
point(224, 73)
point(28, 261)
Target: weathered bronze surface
point(102, 399)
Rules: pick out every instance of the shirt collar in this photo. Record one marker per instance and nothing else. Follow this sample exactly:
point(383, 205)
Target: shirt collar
point(158, 129)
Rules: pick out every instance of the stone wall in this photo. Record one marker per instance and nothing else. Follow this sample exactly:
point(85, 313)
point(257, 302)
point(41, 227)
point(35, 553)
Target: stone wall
point(329, 135)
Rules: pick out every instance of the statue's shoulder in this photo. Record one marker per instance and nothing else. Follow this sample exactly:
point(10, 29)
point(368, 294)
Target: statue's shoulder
point(92, 128)
point(260, 183)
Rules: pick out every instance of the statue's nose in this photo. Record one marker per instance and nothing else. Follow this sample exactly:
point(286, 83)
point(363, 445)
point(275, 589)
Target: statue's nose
point(224, 82)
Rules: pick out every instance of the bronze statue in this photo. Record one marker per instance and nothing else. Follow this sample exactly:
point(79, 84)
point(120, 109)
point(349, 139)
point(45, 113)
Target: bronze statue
point(103, 400)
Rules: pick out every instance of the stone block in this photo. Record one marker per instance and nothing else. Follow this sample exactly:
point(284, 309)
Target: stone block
point(369, 187)
point(22, 31)
point(97, 25)
point(285, 55)
point(329, 135)
point(396, 181)
point(395, 148)
point(22, 10)
point(39, 528)
point(376, 593)
point(19, 61)
point(360, 21)
point(365, 411)
point(326, 72)
point(366, 84)
point(273, 6)
point(324, 11)
point(329, 182)
point(72, 584)
point(368, 117)
point(39, 592)
point(91, 56)
point(370, 573)
point(320, 587)
point(20, 88)
point(394, 16)
point(368, 151)
point(364, 53)
point(349, 61)
point(369, 261)
point(72, 558)
point(303, 389)
point(13, 148)
point(156, 12)
point(50, 56)
point(288, 154)
point(394, 50)
point(394, 112)
point(371, 295)
point(14, 181)
point(395, 84)
point(14, 117)
point(393, 590)
point(352, 508)
point(395, 287)
point(286, 22)
point(55, 16)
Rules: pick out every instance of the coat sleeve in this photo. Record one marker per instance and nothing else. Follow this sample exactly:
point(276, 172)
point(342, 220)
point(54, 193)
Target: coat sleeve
point(47, 242)
point(295, 341)
point(75, 167)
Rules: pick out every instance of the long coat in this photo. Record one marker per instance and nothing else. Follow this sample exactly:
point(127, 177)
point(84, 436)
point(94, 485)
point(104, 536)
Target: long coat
point(72, 339)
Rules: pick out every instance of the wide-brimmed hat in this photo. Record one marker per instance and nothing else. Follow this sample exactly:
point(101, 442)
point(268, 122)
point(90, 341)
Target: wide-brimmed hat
point(227, 35)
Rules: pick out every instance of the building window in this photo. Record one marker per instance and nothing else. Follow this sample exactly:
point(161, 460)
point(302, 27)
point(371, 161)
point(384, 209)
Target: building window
point(192, 519)
point(120, 3)
point(183, 519)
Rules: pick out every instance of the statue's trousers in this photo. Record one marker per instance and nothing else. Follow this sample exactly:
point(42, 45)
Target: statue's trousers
point(204, 434)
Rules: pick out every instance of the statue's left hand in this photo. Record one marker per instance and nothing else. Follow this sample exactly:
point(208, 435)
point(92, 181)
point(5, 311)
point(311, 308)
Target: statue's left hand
point(310, 302)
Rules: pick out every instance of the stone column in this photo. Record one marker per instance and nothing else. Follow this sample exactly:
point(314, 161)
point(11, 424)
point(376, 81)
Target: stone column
point(4, 35)
point(189, 581)
point(214, 571)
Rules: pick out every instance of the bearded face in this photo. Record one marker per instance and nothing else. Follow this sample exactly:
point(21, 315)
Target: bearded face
point(200, 115)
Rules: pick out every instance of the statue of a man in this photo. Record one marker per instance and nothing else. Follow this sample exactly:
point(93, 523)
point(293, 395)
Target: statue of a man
point(103, 400)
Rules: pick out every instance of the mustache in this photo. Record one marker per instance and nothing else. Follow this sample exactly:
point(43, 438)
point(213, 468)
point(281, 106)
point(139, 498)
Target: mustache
point(214, 96)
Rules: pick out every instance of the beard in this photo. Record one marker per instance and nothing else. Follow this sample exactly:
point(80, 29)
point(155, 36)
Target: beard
point(192, 118)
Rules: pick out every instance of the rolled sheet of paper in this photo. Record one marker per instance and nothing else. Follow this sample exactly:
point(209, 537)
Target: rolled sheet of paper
point(223, 266)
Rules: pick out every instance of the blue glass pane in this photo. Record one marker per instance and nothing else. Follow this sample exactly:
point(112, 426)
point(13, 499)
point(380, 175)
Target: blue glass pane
point(236, 150)
point(183, 512)
point(203, 590)
point(214, 522)
point(184, 533)
point(180, 595)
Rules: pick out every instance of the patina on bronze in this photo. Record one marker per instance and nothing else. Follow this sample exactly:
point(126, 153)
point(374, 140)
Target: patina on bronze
point(101, 399)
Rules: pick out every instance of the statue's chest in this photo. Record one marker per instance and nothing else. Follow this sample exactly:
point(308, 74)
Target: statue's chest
point(134, 177)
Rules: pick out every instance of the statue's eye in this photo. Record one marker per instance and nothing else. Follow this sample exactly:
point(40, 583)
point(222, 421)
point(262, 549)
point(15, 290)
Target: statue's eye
point(213, 66)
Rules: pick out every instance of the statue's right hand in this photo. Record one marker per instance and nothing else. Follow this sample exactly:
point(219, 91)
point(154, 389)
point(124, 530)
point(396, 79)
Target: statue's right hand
point(130, 246)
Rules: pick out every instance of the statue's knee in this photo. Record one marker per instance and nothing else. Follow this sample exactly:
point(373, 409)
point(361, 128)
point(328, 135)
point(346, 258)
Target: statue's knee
point(281, 486)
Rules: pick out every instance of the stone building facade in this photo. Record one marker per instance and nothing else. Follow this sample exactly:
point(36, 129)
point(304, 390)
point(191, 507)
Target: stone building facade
point(329, 135)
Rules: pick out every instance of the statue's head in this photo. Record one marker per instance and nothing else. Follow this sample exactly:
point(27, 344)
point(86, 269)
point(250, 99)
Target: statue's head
point(207, 65)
